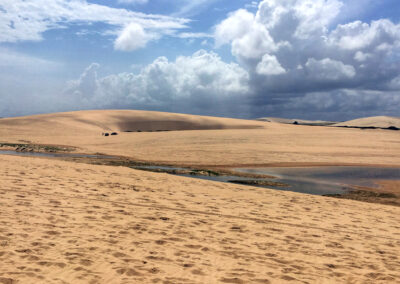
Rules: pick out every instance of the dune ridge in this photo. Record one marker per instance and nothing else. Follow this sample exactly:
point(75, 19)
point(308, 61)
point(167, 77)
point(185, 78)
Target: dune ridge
point(235, 142)
point(123, 120)
point(375, 121)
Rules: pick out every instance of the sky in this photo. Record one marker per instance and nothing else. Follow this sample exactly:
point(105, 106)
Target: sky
point(308, 59)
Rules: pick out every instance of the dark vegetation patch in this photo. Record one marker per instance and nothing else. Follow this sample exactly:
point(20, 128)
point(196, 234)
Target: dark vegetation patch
point(260, 183)
point(25, 147)
point(370, 127)
point(369, 195)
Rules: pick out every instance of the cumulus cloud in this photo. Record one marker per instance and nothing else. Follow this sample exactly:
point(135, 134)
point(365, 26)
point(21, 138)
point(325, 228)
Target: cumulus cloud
point(328, 69)
point(292, 59)
point(27, 20)
point(234, 27)
point(363, 36)
point(295, 49)
point(269, 65)
point(201, 83)
point(131, 38)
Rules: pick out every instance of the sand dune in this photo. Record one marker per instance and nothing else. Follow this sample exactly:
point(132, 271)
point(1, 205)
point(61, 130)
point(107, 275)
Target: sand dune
point(376, 121)
point(64, 222)
point(83, 122)
point(271, 143)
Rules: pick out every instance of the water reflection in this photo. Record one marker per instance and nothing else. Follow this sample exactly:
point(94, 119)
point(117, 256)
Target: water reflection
point(326, 180)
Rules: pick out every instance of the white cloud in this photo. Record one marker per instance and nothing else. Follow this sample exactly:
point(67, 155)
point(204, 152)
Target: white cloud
point(300, 41)
point(292, 58)
point(305, 18)
point(328, 69)
point(194, 35)
point(131, 38)
point(200, 81)
point(28, 20)
point(269, 65)
point(296, 39)
point(361, 36)
point(87, 84)
point(234, 27)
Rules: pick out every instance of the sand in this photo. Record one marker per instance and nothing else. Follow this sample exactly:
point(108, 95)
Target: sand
point(87, 122)
point(66, 222)
point(254, 143)
point(376, 121)
point(63, 222)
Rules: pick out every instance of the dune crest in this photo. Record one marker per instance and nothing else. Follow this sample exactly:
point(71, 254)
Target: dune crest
point(85, 122)
point(374, 121)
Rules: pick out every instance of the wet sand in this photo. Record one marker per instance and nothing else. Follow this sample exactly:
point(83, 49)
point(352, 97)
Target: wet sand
point(65, 222)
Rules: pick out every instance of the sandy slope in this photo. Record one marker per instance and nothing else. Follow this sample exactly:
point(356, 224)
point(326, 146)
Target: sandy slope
point(88, 122)
point(376, 121)
point(63, 222)
point(272, 143)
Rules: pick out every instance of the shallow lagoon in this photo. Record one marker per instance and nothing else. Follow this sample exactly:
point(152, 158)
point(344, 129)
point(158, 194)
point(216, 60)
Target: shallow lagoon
point(311, 180)
point(326, 180)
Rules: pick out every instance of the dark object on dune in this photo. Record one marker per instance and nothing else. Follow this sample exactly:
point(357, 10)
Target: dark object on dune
point(393, 128)
point(296, 123)
point(106, 134)
point(114, 133)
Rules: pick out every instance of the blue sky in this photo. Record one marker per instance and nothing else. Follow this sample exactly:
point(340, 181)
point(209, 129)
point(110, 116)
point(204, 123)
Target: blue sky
point(321, 59)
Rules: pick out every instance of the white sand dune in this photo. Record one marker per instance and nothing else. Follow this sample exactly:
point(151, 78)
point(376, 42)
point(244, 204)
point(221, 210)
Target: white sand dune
point(209, 141)
point(65, 222)
point(375, 121)
point(122, 120)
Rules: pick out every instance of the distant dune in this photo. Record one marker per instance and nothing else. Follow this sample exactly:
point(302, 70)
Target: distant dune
point(296, 121)
point(376, 121)
point(123, 121)
point(146, 136)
